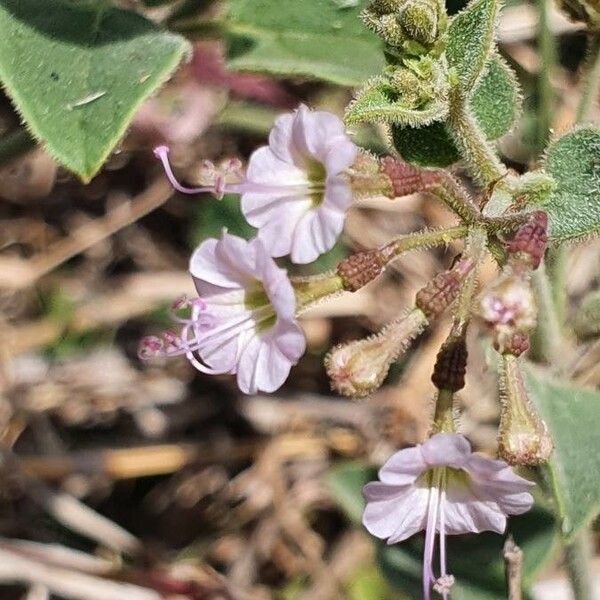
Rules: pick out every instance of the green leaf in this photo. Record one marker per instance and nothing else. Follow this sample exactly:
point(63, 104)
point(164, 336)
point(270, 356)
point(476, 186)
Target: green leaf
point(571, 414)
point(212, 216)
point(474, 560)
point(345, 482)
point(471, 40)
point(376, 102)
point(77, 71)
point(495, 106)
point(574, 207)
point(319, 39)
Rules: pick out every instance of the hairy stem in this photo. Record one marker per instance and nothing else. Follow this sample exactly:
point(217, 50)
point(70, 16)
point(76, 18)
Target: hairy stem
point(513, 565)
point(577, 563)
point(590, 79)
point(14, 145)
point(547, 340)
point(476, 151)
point(474, 250)
point(451, 193)
point(426, 239)
point(547, 53)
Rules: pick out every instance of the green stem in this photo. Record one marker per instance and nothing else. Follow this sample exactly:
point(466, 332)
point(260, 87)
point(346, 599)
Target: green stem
point(424, 239)
point(547, 53)
point(475, 250)
point(590, 79)
point(14, 145)
point(547, 340)
point(476, 151)
point(577, 562)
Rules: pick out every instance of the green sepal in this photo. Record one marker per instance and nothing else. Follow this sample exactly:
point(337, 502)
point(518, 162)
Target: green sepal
point(380, 100)
point(495, 105)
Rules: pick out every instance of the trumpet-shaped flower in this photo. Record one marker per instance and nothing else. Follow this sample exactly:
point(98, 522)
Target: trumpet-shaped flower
point(442, 487)
point(243, 321)
point(296, 190)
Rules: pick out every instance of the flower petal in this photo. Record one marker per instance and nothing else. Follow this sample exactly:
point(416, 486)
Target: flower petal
point(338, 194)
point(266, 168)
point(315, 133)
point(403, 467)
point(226, 263)
point(394, 512)
point(280, 138)
point(340, 156)
point(446, 450)
point(266, 360)
point(315, 234)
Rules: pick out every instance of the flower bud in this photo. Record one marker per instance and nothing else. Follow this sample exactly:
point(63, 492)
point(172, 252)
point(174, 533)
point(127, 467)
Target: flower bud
point(451, 366)
point(412, 27)
point(406, 179)
point(442, 290)
point(523, 437)
point(529, 242)
point(358, 368)
point(420, 19)
point(508, 307)
point(361, 268)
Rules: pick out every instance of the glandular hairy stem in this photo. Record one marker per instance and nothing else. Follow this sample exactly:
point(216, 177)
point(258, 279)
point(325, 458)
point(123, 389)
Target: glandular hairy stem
point(313, 289)
point(361, 268)
point(475, 247)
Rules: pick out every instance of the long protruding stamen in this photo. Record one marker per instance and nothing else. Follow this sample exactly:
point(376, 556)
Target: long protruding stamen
point(430, 531)
point(162, 153)
point(443, 572)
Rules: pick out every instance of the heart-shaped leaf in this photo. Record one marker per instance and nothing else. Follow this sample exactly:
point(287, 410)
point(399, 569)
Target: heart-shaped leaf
point(571, 414)
point(574, 205)
point(319, 39)
point(77, 71)
point(471, 40)
point(494, 102)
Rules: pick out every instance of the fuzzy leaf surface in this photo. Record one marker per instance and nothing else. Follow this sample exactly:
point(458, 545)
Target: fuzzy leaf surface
point(471, 40)
point(77, 71)
point(495, 105)
point(574, 206)
point(571, 414)
point(318, 39)
point(377, 103)
point(474, 560)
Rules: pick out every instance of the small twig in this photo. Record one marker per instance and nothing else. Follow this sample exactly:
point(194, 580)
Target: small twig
point(513, 564)
point(18, 273)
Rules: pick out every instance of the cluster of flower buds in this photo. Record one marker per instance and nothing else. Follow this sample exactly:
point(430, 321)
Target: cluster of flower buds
point(508, 307)
point(358, 368)
point(409, 27)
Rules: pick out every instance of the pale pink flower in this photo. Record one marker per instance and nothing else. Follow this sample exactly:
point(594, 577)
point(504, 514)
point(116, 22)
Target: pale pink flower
point(442, 486)
point(243, 321)
point(296, 190)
